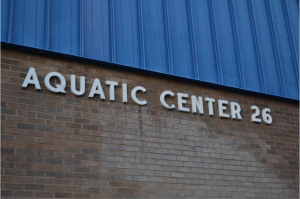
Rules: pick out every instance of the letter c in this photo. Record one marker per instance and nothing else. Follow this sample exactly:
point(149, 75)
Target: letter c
point(135, 99)
point(162, 99)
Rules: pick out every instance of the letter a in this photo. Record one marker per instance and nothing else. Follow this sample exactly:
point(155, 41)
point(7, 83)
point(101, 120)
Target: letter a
point(97, 89)
point(31, 78)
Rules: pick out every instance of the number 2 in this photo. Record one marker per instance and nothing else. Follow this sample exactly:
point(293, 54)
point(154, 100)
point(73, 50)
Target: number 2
point(254, 115)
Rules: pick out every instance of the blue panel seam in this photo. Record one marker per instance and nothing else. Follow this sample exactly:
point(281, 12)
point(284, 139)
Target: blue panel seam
point(47, 24)
point(141, 34)
point(258, 54)
point(287, 20)
point(169, 45)
point(236, 39)
point(215, 39)
point(11, 6)
point(112, 32)
point(81, 29)
point(275, 48)
point(193, 41)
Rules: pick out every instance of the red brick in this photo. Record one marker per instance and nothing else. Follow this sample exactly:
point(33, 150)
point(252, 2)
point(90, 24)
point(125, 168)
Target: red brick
point(81, 195)
point(36, 121)
point(12, 144)
point(44, 194)
point(42, 166)
point(28, 139)
point(44, 140)
point(53, 188)
point(23, 179)
point(9, 73)
point(63, 181)
point(7, 178)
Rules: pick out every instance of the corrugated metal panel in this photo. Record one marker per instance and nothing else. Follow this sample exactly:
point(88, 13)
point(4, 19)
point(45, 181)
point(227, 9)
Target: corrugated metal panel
point(247, 44)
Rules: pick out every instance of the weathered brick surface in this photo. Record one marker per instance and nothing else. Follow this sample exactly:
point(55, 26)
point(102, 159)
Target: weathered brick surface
point(63, 146)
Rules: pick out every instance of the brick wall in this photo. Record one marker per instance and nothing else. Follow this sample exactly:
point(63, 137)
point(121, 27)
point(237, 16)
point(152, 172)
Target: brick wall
point(60, 145)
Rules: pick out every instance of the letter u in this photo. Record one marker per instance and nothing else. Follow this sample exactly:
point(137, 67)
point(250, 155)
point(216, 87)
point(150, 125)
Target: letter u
point(73, 85)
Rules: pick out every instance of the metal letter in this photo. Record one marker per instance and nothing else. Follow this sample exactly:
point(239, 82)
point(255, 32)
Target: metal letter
point(135, 99)
point(31, 78)
point(97, 89)
point(182, 102)
point(163, 102)
point(210, 105)
point(222, 108)
point(73, 85)
point(197, 105)
point(60, 88)
point(235, 110)
point(124, 92)
point(112, 89)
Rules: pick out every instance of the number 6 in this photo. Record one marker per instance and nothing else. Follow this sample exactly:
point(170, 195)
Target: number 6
point(266, 116)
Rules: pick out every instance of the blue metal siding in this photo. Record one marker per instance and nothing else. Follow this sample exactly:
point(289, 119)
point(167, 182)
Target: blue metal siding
point(247, 44)
point(5, 20)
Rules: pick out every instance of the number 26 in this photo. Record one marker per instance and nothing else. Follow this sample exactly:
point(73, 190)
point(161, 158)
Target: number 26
point(267, 118)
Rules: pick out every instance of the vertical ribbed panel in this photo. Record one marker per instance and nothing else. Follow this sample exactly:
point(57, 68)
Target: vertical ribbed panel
point(10, 14)
point(153, 37)
point(17, 27)
point(235, 19)
point(247, 44)
point(291, 39)
point(127, 33)
point(81, 47)
point(54, 36)
point(284, 47)
point(88, 29)
point(257, 46)
point(292, 9)
point(141, 39)
point(180, 39)
point(47, 25)
point(112, 32)
point(40, 30)
point(168, 40)
point(5, 20)
point(29, 23)
point(216, 46)
point(226, 43)
point(75, 28)
point(64, 26)
point(193, 40)
point(268, 49)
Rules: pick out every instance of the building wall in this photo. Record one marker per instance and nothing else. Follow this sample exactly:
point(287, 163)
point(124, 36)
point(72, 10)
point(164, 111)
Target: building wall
point(60, 145)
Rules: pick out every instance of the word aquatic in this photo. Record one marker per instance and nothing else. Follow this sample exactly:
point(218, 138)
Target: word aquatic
point(197, 102)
